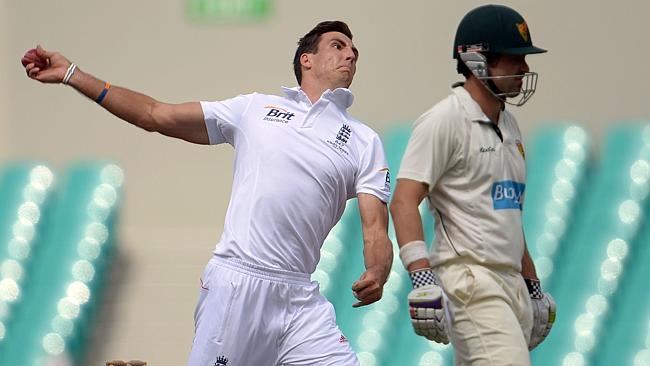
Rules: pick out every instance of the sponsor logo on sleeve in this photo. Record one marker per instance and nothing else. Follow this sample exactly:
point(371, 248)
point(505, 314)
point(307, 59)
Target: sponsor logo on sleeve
point(387, 181)
point(508, 194)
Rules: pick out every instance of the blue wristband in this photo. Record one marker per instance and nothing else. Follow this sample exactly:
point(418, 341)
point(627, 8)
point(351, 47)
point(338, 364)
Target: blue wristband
point(102, 95)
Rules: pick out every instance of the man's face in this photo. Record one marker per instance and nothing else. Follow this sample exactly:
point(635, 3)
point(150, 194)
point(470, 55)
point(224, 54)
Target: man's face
point(509, 65)
point(335, 61)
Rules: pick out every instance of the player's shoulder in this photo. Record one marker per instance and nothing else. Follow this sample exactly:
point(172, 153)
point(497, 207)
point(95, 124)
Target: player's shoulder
point(447, 113)
point(365, 133)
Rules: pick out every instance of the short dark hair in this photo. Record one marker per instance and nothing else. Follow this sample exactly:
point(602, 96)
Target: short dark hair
point(309, 42)
point(491, 58)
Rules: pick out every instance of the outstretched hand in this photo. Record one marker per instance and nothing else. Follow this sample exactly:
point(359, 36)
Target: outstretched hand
point(367, 289)
point(45, 66)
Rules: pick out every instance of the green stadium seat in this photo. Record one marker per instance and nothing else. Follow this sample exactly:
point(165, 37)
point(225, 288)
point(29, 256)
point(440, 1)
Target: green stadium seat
point(594, 258)
point(557, 160)
point(626, 326)
point(25, 194)
point(69, 269)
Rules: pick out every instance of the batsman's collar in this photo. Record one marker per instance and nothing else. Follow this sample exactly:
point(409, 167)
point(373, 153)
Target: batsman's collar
point(472, 108)
point(342, 97)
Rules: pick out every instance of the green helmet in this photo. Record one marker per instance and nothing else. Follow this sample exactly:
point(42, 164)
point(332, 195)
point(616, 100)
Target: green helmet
point(495, 29)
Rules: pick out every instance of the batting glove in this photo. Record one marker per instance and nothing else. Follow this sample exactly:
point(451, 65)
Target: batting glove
point(543, 313)
point(426, 305)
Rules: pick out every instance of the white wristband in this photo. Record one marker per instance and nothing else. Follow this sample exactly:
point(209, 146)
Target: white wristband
point(68, 74)
point(413, 251)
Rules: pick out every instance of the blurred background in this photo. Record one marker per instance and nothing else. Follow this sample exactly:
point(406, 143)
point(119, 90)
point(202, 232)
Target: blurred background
point(105, 228)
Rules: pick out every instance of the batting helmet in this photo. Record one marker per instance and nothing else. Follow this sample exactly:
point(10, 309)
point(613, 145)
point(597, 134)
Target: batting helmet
point(496, 29)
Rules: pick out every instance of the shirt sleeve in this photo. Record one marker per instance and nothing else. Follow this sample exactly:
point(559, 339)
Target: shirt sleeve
point(374, 176)
point(430, 150)
point(222, 116)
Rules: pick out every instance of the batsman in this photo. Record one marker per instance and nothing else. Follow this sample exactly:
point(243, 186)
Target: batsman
point(478, 287)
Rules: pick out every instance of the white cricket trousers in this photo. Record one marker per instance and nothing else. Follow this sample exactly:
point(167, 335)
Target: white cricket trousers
point(253, 316)
point(491, 314)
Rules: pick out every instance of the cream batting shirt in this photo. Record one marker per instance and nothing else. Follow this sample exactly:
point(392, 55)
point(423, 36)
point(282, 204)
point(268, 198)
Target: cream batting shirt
point(296, 165)
point(476, 180)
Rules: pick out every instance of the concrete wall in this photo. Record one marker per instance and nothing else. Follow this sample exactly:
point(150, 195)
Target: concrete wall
point(177, 193)
point(4, 73)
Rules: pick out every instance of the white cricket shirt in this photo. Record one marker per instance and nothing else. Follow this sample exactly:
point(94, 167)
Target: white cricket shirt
point(296, 165)
point(476, 181)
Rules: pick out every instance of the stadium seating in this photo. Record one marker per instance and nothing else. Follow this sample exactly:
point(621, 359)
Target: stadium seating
point(594, 256)
point(557, 160)
point(68, 272)
point(25, 192)
point(584, 219)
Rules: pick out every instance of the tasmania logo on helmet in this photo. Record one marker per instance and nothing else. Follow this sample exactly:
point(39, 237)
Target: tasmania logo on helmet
point(508, 194)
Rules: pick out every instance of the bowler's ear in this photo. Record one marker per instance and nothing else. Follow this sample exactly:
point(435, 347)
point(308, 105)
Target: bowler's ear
point(305, 60)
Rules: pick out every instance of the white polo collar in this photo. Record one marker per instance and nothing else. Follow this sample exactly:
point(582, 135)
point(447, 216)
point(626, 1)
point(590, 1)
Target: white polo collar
point(342, 97)
point(472, 108)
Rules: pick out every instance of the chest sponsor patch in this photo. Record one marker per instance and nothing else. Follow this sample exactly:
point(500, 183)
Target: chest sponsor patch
point(507, 194)
point(278, 114)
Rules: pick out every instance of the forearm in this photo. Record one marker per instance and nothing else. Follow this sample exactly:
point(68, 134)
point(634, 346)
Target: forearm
point(378, 254)
point(527, 265)
point(408, 228)
point(131, 106)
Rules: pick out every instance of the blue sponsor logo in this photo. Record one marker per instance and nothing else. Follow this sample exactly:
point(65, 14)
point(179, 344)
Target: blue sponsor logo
point(508, 194)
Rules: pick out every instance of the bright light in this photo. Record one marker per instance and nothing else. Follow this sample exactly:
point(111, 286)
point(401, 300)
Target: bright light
point(97, 231)
point(11, 269)
point(585, 323)
point(562, 190)
point(29, 211)
point(574, 359)
point(67, 309)
point(9, 290)
point(105, 195)
point(113, 175)
point(611, 269)
point(617, 249)
point(78, 293)
point(83, 271)
point(53, 343)
point(62, 325)
point(374, 319)
point(24, 229)
point(629, 211)
point(367, 359)
point(597, 305)
point(88, 248)
point(41, 177)
point(18, 248)
point(431, 358)
point(369, 340)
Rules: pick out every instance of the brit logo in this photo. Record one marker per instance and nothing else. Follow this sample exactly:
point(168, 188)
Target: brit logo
point(278, 114)
point(508, 194)
point(221, 361)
